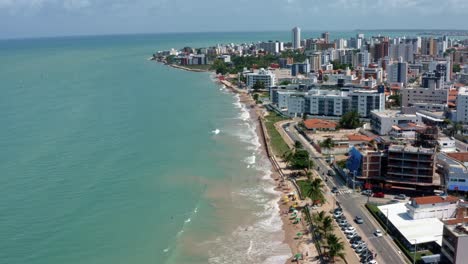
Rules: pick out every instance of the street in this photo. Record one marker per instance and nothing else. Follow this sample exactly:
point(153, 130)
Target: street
point(352, 203)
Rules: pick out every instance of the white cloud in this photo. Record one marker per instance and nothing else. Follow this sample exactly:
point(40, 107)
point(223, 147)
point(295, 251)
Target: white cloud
point(76, 4)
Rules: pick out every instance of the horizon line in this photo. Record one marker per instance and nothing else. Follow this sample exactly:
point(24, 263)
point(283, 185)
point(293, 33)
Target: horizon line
point(233, 31)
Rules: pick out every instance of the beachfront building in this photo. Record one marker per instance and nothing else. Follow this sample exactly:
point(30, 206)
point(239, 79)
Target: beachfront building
point(296, 105)
point(331, 102)
point(383, 122)
point(336, 102)
point(265, 76)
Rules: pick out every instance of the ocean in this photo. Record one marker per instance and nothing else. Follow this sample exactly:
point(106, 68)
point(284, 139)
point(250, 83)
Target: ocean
point(107, 157)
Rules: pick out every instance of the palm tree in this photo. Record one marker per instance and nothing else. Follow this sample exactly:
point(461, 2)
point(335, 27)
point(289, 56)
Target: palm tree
point(335, 248)
point(319, 218)
point(316, 191)
point(327, 144)
point(327, 225)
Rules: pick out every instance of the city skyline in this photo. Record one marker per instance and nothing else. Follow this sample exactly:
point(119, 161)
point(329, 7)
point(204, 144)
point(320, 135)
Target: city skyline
point(36, 18)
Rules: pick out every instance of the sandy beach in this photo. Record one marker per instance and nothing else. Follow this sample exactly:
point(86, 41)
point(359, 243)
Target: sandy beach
point(302, 244)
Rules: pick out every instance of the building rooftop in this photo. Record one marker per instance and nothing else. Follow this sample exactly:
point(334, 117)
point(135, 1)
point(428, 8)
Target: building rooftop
point(434, 199)
point(458, 229)
point(408, 148)
point(359, 137)
point(391, 113)
point(415, 231)
point(460, 156)
point(319, 124)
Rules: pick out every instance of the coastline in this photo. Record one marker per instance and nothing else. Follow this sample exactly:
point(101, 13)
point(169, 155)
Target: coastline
point(282, 185)
point(278, 172)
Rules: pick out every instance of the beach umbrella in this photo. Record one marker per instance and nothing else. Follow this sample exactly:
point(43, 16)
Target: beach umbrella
point(299, 234)
point(298, 256)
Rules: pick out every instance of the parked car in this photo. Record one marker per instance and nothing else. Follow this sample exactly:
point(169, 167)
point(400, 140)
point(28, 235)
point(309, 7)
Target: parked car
point(378, 233)
point(367, 192)
point(379, 195)
point(359, 220)
point(350, 236)
point(356, 244)
point(361, 249)
point(331, 173)
point(334, 190)
point(367, 258)
point(350, 229)
point(343, 223)
point(355, 239)
point(337, 214)
point(393, 202)
point(346, 226)
point(372, 262)
point(400, 197)
point(339, 209)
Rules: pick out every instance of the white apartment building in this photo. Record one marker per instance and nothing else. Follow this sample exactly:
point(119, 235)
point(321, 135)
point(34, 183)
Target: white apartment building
point(383, 122)
point(462, 105)
point(414, 98)
point(265, 76)
point(296, 38)
point(296, 105)
point(397, 72)
point(440, 207)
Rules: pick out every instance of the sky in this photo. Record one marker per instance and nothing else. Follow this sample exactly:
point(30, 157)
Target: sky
point(36, 18)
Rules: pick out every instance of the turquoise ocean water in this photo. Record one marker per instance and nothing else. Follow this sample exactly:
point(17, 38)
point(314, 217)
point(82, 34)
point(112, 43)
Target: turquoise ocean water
point(109, 158)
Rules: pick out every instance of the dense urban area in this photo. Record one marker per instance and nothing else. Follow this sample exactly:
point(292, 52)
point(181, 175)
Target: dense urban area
point(377, 126)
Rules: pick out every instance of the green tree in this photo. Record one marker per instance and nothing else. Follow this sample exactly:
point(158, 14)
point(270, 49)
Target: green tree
point(285, 82)
point(350, 120)
point(335, 248)
point(258, 85)
point(220, 67)
point(327, 225)
point(315, 192)
point(325, 78)
point(327, 144)
point(456, 68)
point(396, 99)
point(300, 160)
point(297, 145)
point(255, 97)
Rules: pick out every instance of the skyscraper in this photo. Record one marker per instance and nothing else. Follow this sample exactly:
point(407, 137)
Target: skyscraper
point(326, 37)
point(296, 38)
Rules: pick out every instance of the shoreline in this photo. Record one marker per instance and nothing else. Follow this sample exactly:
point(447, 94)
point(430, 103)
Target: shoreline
point(282, 185)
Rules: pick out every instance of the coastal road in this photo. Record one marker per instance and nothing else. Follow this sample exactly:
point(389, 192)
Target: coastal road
point(352, 203)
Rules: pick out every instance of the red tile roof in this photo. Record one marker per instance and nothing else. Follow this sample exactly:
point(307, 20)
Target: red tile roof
point(358, 137)
point(435, 199)
point(460, 156)
point(319, 124)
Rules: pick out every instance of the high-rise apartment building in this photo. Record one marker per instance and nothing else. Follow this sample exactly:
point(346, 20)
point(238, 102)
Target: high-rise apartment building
point(296, 38)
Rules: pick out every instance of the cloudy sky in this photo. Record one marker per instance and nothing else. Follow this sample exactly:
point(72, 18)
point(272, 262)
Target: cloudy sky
point(33, 18)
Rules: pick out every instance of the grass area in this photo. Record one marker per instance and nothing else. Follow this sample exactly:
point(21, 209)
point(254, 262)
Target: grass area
point(375, 212)
point(277, 143)
point(304, 186)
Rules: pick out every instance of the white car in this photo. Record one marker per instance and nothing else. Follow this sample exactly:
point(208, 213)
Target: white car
point(372, 262)
point(351, 235)
point(338, 214)
point(350, 230)
point(378, 233)
point(358, 244)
